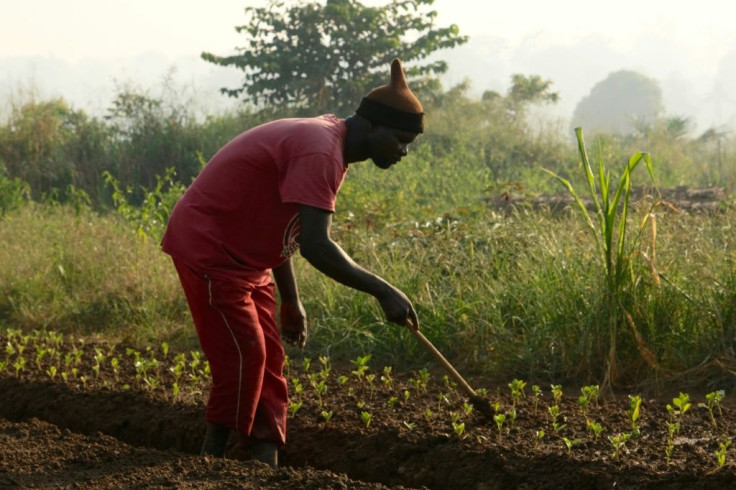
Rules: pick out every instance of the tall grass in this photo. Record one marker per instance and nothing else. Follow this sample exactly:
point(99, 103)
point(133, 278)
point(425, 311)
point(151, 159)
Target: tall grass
point(501, 295)
point(617, 250)
point(88, 274)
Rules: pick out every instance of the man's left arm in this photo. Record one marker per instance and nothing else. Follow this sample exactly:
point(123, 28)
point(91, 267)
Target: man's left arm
point(293, 316)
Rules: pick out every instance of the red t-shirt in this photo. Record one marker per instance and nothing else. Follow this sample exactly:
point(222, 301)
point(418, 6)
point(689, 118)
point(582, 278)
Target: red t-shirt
point(242, 211)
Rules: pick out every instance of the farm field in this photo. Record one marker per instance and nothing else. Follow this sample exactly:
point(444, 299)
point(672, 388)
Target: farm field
point(96, 415)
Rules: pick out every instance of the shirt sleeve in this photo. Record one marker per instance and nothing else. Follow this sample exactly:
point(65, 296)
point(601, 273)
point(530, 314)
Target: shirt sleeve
point(313, 180)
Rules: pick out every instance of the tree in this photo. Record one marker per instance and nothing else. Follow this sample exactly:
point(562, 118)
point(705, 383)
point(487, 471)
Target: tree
point(323, 58)
point(619, 104)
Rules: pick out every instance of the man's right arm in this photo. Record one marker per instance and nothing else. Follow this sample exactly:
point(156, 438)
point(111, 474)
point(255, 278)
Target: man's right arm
point(326, 256)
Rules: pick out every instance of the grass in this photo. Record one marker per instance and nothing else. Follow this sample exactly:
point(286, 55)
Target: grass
point(511, 295)
point(87, 274)
point(506, 296)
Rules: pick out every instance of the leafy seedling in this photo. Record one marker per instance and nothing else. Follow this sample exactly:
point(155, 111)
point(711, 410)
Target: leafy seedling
point(634, 412)
point(570, 443)
point(713, 400)
point(721, 452)
point(517, 390)
point(596, 428)
point(618, 442)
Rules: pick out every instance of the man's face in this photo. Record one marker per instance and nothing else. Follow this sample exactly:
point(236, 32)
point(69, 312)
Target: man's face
point(387, 146)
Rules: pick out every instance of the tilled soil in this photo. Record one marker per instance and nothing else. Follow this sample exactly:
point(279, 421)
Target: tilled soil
point(129, 427)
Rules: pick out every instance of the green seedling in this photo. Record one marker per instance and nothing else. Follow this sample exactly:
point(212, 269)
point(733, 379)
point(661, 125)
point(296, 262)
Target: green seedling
point(287, 365)
point(618, 442)
point(557, 425)
point(151, 382)
point(467, 408)
point(680, 405)
point(442, 398)
point(589, 396)
point(407, 394)
point(341, 380)
point(366, 417)
point(393, 401)
point(668, 451)
point(327, 415)
point(721, 452)
point(51, 371)
point(306, 364)
point(40, 353)
point(596, 428)
point(321, 390)
point(423, 379)
point(297, 385)
point(556, 393)
point(428, 414)
point(517, 390)
point(459, 428)
point(410, 425)
point(386, 377)
point(360, 404)
point(361, 366)
point(324, 373)
point(538, 436)
point(19, 365)
point(115, 364)
point(499, 419)
point(370, 378)
point(634, 412)
point(165, 349)
point(713, 400)
point(554, 412)
point(537, 395)
point(570, 443)
point(175, 389)
point(511, 416)
point(77, 354)
point(294, 407)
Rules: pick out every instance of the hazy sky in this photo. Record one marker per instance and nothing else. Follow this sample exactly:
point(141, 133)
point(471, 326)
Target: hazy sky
point(684, 41)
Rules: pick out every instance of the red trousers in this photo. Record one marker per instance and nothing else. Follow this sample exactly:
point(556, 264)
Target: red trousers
point(236, 324)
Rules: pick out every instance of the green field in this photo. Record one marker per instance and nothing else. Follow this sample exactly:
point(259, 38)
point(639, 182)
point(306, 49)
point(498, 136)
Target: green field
point(503, 293)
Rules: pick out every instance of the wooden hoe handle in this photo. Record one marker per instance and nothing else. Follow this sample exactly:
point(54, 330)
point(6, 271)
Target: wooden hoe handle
point(433, 350)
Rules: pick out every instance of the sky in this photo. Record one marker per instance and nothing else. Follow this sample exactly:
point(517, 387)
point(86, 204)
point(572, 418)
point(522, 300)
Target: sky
point(79, 49)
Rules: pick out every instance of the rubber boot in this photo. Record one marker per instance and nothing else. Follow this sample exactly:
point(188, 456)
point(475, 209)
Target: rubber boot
point(266, 452)
point(215, 440)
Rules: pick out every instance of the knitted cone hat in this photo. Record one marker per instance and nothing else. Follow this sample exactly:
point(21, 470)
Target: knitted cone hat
point(393, 105)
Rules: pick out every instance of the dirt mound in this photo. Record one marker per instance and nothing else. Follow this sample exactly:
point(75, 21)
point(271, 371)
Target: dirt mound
point(41, 455)
point(349, 428)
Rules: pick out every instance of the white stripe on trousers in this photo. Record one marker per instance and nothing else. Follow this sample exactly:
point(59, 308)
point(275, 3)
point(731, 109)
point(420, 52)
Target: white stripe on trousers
point(240, 354)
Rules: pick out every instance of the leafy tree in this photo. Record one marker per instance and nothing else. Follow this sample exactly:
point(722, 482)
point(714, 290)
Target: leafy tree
point(323, 58)
point(619, 104)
